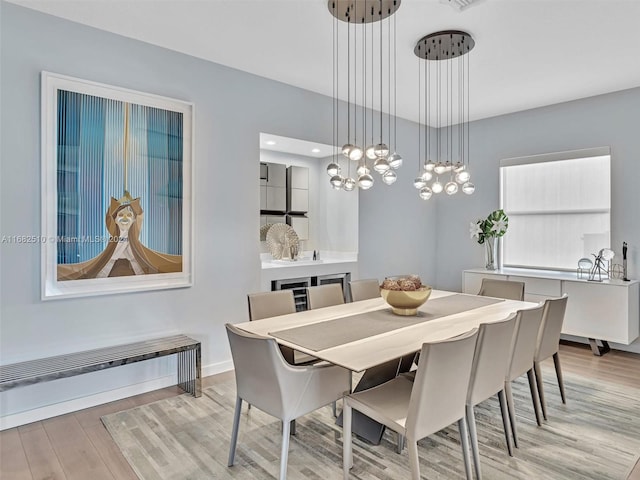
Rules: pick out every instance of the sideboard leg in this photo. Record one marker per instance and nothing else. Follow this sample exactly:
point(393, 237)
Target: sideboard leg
point(599, 350)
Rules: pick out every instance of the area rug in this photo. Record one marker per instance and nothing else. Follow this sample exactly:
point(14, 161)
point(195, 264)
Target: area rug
point(595, 436)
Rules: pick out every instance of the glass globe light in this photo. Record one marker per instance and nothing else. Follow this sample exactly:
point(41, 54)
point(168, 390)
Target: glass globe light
point(425, 193)
point(370, 152)
point(440, 168)
point(346, 149)
point(362, 170)
point(389, 177)
point(336, 182)
point(365, 181)
point(451, 188)
point(356, 153)
point(381, 165)
point(333, 169)
point(463, 177)
point(395, 160)
point(381, 150)
point(426, 176)
point(419, 182)
point(429, 166)
point(468, 188)
point(458, 167)
point(436, 187)
point(349, 184)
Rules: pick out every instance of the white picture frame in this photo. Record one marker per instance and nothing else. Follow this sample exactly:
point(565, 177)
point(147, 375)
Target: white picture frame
point(84, 126)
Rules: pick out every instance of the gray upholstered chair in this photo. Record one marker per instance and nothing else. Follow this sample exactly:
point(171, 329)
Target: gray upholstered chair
point(490, 362)
point(325, 295)
point(416, 409)
point(287, 392)
point(523, 347)
point(273, 304)
point(548, 344)
point(364, 289)
point(502, 289)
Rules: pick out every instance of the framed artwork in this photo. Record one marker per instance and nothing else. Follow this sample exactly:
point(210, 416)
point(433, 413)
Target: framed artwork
point(116, 189)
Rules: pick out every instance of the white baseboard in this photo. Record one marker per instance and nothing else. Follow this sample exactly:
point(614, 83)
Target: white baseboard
point(61, 408)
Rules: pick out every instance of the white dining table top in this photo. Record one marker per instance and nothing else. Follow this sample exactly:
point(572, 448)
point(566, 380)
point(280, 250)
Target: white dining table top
point(368, 352)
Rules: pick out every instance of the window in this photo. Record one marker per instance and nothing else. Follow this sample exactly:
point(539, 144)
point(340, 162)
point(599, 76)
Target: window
point(558, 206)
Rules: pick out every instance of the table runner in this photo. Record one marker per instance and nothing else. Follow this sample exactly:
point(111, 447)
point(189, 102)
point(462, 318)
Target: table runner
point(323, 335)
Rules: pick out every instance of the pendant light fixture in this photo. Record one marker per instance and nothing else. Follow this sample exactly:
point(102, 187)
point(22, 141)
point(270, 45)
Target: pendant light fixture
point(443, 76)
point(356, 63)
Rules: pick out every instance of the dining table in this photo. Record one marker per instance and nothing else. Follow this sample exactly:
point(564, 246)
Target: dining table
point(366, 336)
point(360, 335)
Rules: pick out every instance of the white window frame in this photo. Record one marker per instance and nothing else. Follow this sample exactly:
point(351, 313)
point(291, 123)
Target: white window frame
point(552, 157)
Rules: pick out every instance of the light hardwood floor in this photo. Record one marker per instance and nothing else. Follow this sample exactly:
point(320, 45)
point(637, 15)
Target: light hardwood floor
point(77, 446)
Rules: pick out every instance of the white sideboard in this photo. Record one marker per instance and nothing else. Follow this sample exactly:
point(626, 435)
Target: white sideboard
point(607, 311)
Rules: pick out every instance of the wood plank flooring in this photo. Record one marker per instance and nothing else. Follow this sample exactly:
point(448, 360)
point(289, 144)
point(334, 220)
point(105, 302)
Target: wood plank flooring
point(77, 446)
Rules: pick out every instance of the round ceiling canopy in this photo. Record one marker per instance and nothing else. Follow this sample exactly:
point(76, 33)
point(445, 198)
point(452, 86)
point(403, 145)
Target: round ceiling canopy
point(362, 11)
point(444, 45)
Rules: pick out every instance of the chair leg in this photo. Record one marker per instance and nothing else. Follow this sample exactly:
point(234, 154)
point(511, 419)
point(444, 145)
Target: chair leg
point(556, 361)
point(464, 441)
point(512, 412)
point(284, 454)
point(293, 427)
point(347, 459)
point(400, 445)
point(414, 462)
point(234, 432)
point(335, 409)
point(534, 396)
point(471, 421)
point(505, 421)
point(543, 404)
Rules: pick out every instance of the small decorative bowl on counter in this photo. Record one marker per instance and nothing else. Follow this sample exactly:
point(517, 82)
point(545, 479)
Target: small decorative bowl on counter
point(405, 294)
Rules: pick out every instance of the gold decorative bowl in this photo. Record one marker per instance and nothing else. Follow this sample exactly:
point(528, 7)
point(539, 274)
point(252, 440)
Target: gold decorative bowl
point(406, 302)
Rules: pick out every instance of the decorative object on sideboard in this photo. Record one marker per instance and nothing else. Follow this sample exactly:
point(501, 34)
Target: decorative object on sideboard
point(444, 164)
point(624, 262)
point(361, 49)
point(283, 242)
point(600, 268)
point(263, 231)
point(584, 267)
point(405, 294)
point(487, 232)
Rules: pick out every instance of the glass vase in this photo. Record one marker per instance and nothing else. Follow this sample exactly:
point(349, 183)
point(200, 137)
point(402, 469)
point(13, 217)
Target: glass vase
point(491, 253)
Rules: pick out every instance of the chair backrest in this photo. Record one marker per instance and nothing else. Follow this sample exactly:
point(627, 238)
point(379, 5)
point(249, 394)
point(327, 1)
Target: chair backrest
point(491, 359)
point(440, 385)
point(552, 319)
point(270, 304)
point(364, 289)
point(325, 295)
point(524, 343)
point(502, 289)
point(259, 368)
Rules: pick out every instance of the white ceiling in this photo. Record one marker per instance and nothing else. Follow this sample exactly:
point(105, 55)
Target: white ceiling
point(528, 53)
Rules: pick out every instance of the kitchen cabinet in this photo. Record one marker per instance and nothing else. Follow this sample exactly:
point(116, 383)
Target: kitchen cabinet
point(300, 225)
point(608, 311)
point(273, 187)
point(297, 189)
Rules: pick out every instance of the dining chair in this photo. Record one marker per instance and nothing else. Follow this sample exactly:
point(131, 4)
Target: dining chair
point(364, 289)
point(325, 295)
point(523, 348)
point(507, 289)
point(416, 409)
point(548, 344)
point(490, 362)
point(273, 304)
point(269, 383)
